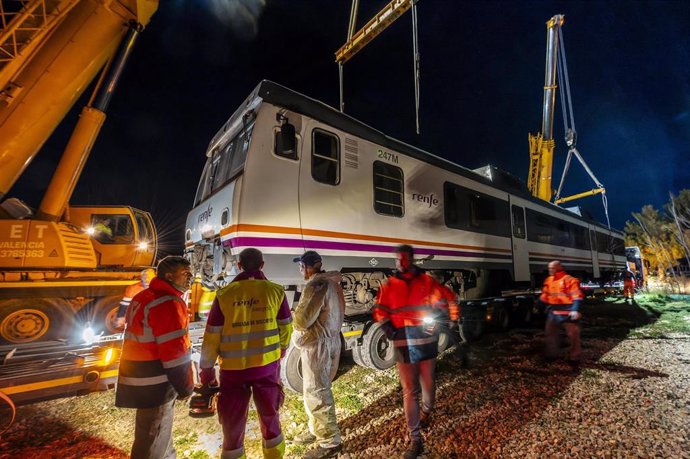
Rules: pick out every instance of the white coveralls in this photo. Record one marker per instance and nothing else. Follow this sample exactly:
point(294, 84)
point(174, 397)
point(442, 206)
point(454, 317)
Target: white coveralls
point(317, 320)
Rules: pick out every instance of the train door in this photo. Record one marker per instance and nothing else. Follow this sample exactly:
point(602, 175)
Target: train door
point(519, 237)
point(595, 257)
point(319, 191)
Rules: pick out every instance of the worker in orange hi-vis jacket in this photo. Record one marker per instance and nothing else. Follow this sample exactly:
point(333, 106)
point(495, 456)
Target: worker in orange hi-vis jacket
point(562, 296)
point(408, 308)
point(156, 361)
point(629, 284)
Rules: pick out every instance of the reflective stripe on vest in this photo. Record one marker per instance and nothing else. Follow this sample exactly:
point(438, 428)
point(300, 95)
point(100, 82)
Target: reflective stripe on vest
point(178, 361)
point(249, 352)
point(150, 381)
point(414, 341)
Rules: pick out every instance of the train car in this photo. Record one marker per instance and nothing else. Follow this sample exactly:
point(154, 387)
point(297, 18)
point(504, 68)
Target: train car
point(287, 173)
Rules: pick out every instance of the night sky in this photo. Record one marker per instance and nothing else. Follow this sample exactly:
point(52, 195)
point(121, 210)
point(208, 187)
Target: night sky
point(482, 76)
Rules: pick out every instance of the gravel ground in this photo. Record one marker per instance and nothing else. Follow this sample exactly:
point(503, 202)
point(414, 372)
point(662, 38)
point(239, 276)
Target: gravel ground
point(630, 398)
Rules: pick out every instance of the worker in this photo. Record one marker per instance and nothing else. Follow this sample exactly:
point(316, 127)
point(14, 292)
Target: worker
point(247, 332)
point(130, 292)
point(629, 284)
point(103, 232)
point(155, 365)
point(318, 318)
point(409, 307)
point(562, 296)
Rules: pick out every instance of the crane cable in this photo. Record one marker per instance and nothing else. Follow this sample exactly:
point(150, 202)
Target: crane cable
point(569, 127)
point(415, 61)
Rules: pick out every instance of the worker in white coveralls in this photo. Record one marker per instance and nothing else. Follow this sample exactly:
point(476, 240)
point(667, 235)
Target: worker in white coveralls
point(317, 320)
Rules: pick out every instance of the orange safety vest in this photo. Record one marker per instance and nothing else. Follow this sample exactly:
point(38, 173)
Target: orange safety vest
point(156, 348)
point(560, 291)
point(407, 301)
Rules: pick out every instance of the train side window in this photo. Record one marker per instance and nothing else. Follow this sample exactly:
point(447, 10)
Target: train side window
point(325, 157)
point(470, 210)
point(540, 227)
point(518, 222)
point(388, 190)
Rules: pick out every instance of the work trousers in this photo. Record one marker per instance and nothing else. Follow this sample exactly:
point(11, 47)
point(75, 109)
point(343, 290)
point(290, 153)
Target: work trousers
point(153, 432)
point(319, 365)
point(233, 408)
point(417, 378)
point(628, 289)
point(553, 336)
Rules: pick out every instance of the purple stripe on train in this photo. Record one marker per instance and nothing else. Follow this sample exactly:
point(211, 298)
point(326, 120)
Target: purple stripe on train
point(349, 246)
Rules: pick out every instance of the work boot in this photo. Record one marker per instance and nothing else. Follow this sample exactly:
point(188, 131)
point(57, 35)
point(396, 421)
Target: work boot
point(424, 419)
point(305, 438)
point(415, 450)
point(322, 453)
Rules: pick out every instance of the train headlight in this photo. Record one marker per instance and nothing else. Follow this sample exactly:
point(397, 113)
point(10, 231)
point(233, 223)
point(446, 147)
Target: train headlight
point(90, 230)
point(143, 245)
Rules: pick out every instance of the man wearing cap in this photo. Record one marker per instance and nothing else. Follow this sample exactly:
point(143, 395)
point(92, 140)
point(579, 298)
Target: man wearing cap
point(317, 320)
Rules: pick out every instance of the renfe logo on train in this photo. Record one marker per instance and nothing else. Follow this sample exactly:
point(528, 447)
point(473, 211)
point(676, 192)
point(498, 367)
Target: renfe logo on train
point(430, 200)
point(205, 215)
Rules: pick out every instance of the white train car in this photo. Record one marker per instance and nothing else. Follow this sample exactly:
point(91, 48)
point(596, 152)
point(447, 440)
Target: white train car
point(287, 174)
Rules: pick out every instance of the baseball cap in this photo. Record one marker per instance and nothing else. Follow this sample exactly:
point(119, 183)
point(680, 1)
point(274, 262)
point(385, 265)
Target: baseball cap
point(308, 258)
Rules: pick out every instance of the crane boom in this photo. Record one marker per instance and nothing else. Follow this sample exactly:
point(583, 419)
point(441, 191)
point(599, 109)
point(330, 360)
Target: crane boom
point(542, 143)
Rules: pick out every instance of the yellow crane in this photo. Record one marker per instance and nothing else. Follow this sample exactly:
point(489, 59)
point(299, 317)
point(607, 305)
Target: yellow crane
point(541, 145)
point(61, 260)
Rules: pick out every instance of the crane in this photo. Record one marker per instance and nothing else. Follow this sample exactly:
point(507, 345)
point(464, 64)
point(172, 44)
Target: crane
point(542, 144)
point(53, 265)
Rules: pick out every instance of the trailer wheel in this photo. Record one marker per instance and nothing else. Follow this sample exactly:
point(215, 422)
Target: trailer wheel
point(357, 355)
point(33, 319)
point(502, 316)
point(105, 315)
point(472, 325)
point(376, 351)
point(291, 369)
point(443, 341)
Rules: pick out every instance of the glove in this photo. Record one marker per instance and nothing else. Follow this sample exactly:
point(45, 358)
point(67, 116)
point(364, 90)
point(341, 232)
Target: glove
point(574, 315)
point(388, 330)
point(207, 377)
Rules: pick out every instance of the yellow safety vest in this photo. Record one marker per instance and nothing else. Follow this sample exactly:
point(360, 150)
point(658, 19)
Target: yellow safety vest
point(250, 336)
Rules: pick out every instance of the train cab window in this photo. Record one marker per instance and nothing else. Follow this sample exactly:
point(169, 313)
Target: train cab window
point(388, 190)
point(325, 157)
point(518, 215)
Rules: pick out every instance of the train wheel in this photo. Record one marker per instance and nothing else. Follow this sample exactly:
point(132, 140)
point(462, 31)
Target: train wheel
point(33, 319)
point(291, 369)
point(376, 350)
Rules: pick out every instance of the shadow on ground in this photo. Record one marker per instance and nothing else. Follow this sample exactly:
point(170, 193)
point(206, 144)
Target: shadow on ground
point(507, 386)
point(63, 442)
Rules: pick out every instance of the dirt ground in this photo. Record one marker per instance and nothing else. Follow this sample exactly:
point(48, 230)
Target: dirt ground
point(629, 398)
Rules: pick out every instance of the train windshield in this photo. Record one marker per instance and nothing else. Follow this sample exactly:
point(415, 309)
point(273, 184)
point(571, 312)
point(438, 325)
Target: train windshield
point(225, 163)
